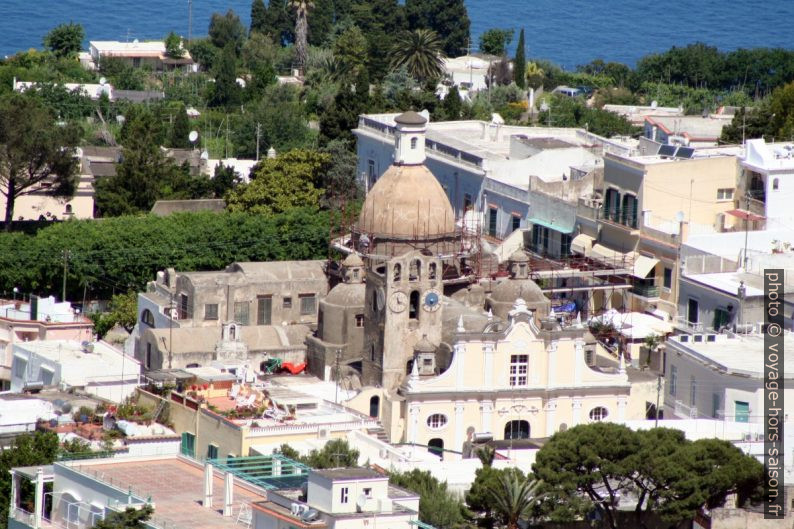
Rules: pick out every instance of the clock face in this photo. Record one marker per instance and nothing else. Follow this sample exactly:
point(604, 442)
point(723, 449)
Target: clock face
point(432, 300)
point(398, 302)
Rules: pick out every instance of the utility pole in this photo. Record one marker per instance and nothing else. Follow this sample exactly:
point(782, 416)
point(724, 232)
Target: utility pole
point(65, 272)
point(258, 131)
point(658, 393)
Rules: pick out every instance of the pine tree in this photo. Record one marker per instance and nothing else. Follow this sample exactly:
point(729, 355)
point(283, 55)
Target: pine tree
point(520, 62)
point(279, 23)
point(448, 18)
point(258, 17)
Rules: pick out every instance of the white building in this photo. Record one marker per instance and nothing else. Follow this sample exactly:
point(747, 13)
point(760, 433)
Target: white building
point(468, 73)
point(349, 498)
point(719, 376)
point(768, 181)
point(96, 368)
point(152, 54)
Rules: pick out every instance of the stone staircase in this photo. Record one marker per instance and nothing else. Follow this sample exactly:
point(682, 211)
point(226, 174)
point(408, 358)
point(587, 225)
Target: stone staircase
point(378, 433)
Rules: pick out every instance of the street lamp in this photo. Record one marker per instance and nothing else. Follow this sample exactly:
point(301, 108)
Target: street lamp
point(16, 290)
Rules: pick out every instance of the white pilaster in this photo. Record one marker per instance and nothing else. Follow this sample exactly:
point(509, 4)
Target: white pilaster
point(578, 362)
point(488, 354)
point(486, 410)
point(459, 407)
point(552, 367)
point(14, 500)
point(550, 409)
point(577, 411)
point(208, 475)
point(460, 361)
point(622, 403)
point(413, 422)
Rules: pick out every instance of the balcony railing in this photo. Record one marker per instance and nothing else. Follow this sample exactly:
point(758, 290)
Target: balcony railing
point(646, 291)
point(683, 410)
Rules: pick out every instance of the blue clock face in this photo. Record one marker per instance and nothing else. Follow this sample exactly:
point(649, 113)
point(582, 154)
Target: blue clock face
point(431, 299)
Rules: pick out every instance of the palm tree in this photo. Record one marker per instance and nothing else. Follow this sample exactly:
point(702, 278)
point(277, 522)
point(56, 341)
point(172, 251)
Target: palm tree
point(515, 498)
point(420, 52)
point(535, 74)
point(302, 8)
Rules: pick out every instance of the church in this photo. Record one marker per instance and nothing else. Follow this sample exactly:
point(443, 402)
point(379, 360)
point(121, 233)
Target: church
point(436, 353)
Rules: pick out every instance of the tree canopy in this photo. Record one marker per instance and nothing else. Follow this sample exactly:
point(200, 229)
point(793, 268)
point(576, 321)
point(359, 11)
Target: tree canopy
point(65, 40)
point(437, 506)
point(589, 467)
point(291, 180)
point(34, 149)
point(495, 41)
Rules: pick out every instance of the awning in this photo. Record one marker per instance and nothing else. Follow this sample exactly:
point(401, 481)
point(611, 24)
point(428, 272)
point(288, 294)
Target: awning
point(607, 255)
point(582, 244)
point(550, 225)
point(643, 266)
point(745, 215)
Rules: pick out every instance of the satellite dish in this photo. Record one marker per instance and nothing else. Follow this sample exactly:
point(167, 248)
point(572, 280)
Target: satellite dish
point(193, 136)
point(102, 80)
point(654, 104)
point(679, 216)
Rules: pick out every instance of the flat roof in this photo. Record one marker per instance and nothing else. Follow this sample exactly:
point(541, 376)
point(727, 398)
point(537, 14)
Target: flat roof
point(78, 365)
point(349, 473)
point(176, 487)
point(487, 140)
point(729, 282)
point(735, 354)
point(698, 127)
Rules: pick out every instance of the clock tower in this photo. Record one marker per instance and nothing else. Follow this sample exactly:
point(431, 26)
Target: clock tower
point(402, 306)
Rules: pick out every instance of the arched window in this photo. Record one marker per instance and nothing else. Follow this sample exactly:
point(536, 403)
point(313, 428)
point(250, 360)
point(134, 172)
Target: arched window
point(436, 421)
point(374, 406)
point(415, 270)
point(517, 430)
point(776, 184)
point(414, 141)
point(431, 274)
point(147, 317)
point(413, 312)
point(398, 269)
point(436, 447)
point(68, 209)
point(599, 413)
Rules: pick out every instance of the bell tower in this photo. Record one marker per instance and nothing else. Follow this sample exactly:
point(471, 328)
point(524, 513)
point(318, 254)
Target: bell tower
point(409, 141)
point(402, 307)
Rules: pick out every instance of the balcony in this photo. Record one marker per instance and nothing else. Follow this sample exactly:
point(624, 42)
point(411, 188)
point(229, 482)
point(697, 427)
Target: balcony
point(645, 291)
point(684, 411)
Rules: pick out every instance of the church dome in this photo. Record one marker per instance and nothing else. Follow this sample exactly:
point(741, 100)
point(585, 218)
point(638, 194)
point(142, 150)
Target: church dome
point(346, 295)
point(407, 202)
point(510, 290)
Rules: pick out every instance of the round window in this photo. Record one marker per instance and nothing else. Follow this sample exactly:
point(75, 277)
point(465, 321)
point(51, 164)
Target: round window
point(599, 413)
point(436, 421)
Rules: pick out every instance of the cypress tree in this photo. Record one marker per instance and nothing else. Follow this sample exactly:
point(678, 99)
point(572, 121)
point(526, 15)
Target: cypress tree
point(180, 129)
point(226, 90)
point(520, 63)
point(452, 104)
point(258, 17)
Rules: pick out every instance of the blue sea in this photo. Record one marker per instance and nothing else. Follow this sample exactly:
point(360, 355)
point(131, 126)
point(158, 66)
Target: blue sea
point(569, 32)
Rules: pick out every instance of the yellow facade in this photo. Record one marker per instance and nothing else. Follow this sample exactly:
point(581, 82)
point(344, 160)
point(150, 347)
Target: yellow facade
point(536, 377)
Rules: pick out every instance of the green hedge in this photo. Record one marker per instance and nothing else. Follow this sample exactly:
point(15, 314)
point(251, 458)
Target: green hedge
point(117, 254)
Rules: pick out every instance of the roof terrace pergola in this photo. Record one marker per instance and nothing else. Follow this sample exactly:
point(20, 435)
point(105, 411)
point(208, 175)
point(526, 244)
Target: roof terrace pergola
point(269, 472)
